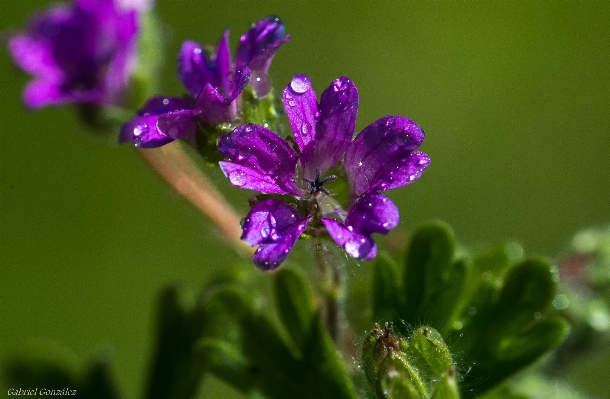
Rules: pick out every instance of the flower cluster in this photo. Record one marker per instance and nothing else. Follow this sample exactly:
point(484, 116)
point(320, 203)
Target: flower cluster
point(213, 82)
point(81, 53)
point(381, 157)
point(321, 181)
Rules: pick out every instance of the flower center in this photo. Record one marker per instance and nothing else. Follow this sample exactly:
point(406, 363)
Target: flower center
point(317, 185)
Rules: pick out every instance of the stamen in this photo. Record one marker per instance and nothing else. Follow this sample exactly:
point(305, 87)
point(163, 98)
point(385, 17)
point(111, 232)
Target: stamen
point(317, 184)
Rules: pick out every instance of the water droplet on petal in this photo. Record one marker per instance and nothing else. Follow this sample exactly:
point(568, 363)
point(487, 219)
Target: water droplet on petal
point(265, 232)
point(292, 103)
point(261, 83)
point(305, 129)
point(140, 130)
point(300, 84)
point(238, 179)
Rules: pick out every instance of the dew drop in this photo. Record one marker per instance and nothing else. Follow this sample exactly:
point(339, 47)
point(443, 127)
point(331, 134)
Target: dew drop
point(300, 84)
point(238, 179)
point(265, 232)
point(472, 310)
point(318, 247)
point(292, 103)
point(261, 83)
point(140, 130)
point(560, 302)
point(306, 129)
point(197, 50)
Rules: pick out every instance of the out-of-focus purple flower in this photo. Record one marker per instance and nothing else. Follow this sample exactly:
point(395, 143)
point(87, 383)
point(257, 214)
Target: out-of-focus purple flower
point(381, 157)
point(81, 53)
point(213, 82)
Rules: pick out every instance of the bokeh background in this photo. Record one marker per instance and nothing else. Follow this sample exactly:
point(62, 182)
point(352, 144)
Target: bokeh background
point(514, 97)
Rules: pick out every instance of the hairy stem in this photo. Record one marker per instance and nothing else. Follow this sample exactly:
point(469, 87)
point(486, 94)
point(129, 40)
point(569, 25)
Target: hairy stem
point(175, 167)
point(330, 267)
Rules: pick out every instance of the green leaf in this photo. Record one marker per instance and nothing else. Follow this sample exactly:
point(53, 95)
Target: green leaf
point(513, 329)
point(429, 277)
point(226, 362)
point(175, 373)
point(253, 355)
point(46, 369)
point(295, 304)
point(97, 383)
point(43, 364)
point(529, 288)
point(386, 288)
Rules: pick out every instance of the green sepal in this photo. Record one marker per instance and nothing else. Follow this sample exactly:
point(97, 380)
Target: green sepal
point(447, 387)
point(206, 140)
point(395, 386)
point(261, 111)
point(430, 347)
point(412, 368)
point(396, 372)
point(175, 372)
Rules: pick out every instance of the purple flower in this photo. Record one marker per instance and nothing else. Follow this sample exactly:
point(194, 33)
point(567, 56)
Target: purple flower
point(213, 82)
point(381, 157)
point(79, 53)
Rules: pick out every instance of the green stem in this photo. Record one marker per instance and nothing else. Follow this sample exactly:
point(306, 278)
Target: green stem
point(330, 268)
point(175, 167)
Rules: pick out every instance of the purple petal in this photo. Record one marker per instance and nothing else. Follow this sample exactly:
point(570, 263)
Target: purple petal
point(359, 246)
point(238, 82)
point(210, 106)
point(196, 71)
point(261, 63)
point(373, 214)
point(301, 106)
point(381, 158)
point(258, 45)
point(223, 65)
point(193, 68)
point(87, 51)
point(276, 226)
point(161, 121)
point(335, 127)
point(34, 56)
point(259, 159)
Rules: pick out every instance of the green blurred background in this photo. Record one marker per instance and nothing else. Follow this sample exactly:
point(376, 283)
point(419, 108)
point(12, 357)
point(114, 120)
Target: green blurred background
point(514, 97)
